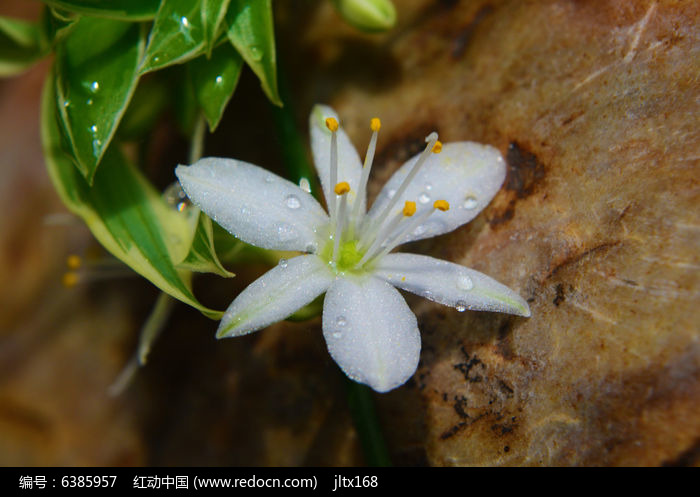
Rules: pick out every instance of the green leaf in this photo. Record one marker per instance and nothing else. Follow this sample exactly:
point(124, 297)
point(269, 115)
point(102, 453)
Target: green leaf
point(20, 45)
point(202, 256)
point(132, 10)
point(213, 14)
point(150, 99)
point(96, 75)
point(251, 30)
point(56, 25)
point(123, 211)
point(214, 81)
point(177, 34)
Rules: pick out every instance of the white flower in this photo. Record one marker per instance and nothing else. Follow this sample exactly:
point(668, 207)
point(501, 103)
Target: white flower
point(369, 329)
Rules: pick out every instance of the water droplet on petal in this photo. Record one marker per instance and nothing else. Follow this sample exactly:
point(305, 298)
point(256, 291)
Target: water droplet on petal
point(286, 232)
point(461, 305)
point(337, 334)
point(428, 186)
point(464, 282)
point(424, 198)
point(391, 193)
point(419, 230)
point(470, 202)
point(269, 179)
point(311, 248)
point(341, 321)
point(292, 202)
point(428, 294)
point(283, 263)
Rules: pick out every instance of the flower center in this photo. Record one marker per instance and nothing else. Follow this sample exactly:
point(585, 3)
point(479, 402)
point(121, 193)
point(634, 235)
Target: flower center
point(357, 241)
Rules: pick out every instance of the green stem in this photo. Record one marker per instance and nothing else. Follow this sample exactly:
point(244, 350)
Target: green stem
point(360, 401)
point(197, 143)
point(361, 406)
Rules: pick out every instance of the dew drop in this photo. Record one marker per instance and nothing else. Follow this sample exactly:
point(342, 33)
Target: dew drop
point(96, 144)
point(311, 248)
point(286, 232)
point(470, 202)
point(219, 80)
point(428, 294)
point(305, 185)
point(255, 52)
point(428, 186)
point(341, 321)
point(464, 282)
point(424, 198)
point(185, 23)
point(419, 230)
point(337, 334)
point(94, 87)
point(93, 128)
point(292, 202)
point(269, 179)
point(66, 103)
point(283, 263)
point(176, 197)
point(89, 101)
point(391, 193)
point(461, 306)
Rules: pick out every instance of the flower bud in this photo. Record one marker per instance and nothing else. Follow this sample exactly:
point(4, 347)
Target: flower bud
point(368, 15)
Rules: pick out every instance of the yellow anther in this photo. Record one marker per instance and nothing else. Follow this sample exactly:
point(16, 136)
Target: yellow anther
point(409, 208)
point(375, 124)
point(443, 205)
point(342, 188)
point(74, 261)
point(437, 148)
point(70, 279)
point(332, 124)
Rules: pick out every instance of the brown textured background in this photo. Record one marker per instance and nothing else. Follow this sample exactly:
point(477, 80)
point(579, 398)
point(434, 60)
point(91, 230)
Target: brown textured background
point(594, 105)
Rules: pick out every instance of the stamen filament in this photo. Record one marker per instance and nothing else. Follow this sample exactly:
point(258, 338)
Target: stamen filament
point(432, 140)
point(441, 205)
point(408, 211)
point(340, 190)
point(332, 125)
point(361, 197)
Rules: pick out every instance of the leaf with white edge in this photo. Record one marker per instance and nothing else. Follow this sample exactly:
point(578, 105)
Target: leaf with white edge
point(56, 25)
point(213, 14)
point(255, 205)
point(123, 211)
point(20, 45)
point(177, 35)
point(466, 174)
point(96, 74)
point(251, 31)
point(214, 80)
point(287, 287)
point(127, 10)
point(449, 284)
point(202, 254)
point(371, 332)
point(349, 164)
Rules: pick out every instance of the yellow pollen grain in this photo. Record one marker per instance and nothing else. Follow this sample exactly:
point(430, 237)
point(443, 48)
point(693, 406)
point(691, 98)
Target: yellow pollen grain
point(70, 279)
point(437, 148)
point(332, 124)
point(403, 278)
point(375, 124)
point(74, 261)
point(409, 208)
point(443, 205)
point(342, 188)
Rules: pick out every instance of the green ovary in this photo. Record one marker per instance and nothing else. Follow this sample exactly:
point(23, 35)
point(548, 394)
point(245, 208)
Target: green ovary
point(348, 255)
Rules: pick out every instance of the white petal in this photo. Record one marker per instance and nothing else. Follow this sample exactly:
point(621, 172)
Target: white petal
point(370, 332)
point(466, 174)
point(349, 164)
point(253, 204)
point(449, 284)
point(284, 289)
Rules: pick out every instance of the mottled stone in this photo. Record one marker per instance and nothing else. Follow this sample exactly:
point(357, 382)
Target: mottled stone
point(595, 107)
